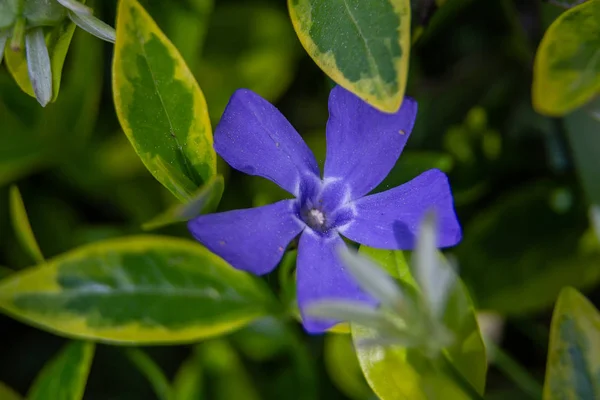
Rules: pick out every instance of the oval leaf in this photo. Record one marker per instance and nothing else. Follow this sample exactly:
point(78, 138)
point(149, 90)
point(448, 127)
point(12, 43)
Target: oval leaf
point(363, 45)
point(143, 290)
point(22, 227)
point(400, 373)
point(567, 63)
point(151, 82)
point(65, 376)
point(573, 369)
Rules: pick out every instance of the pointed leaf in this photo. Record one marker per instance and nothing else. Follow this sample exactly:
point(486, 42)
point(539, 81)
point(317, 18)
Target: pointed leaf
point(94, 26)
point(150, 83)
point(573, 370)
point(22, 227)
point(567, 63)
point(187, 384)
point(65, 376)
point(6, 393)
point(38, 65)
point(206, 199)
point(155, 376)
point(143, 290)
point(76, 6)
point(363, 45)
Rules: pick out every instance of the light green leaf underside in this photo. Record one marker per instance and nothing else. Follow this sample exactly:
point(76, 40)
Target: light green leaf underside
point(142, 290)
point(363, 45)
point(64, 377)
point(405, 374)
point(567, 63)
point(573, 369)
point(22, 227)
point(150, 83)
point(206, 199)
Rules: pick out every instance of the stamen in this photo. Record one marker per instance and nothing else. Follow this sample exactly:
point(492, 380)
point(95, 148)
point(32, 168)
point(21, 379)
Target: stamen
point(315, 218)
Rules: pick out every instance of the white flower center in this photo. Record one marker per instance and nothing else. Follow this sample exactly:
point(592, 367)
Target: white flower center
point(315, 218)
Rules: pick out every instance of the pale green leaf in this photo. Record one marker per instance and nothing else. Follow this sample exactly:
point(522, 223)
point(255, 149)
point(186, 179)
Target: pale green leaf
point(22, 227)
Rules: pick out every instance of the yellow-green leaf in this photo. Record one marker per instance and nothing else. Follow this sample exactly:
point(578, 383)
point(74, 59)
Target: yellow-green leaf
point(405, 373)
point(58, 41)
point(187, 384)
point(65, 376)
point(363, 45)
point(142, 290)
point(206, 199)
point(573, 369)
point(343, 368)
point(567, 63)
point(155, 376)
point(7, 393)
point(22, 227)
point(151, 82)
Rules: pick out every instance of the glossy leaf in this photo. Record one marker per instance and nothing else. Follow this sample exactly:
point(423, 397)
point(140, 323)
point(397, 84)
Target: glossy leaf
point(363, 45)
point(150, 83)
point(188, 381)
point(414, 376)
point(94, 26)
point(156, 377)
point(206, 199)
point(567, 67)
point(573, 370)
point(65, 376)
point(58, 41)
point(520, 270)
point(22, 227)
point(7, 393)
point(143, 290)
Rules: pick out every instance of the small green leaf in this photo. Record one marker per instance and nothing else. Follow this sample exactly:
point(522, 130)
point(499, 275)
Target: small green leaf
point(7, 393)
point(65, 376)
point(398, 373)
point(573, 369)
point(146, 365)
point(343, 367)
point(188, 381)
point(76, 6)
point(150, 83)
point(137, 290)
point(206, 199)
point(567, 63)
point(38, 65)
point(58, 41)
point(22, 227)
point(94, 26)
point(363, 45)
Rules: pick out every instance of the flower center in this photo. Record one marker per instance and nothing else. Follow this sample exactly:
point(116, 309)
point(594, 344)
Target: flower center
point(315, 219)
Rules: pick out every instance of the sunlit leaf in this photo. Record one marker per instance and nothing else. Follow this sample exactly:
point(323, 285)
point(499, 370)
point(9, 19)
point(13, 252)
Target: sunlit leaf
point(363, 45)
point(567, 67)
point(6, 393)
point(150, 83)
point(143, 290)
point(415, 376)
point(155, 376)
point(573, 369)
point(343, 368)
point(206, 199)
point(22, 227)
point(65, 376)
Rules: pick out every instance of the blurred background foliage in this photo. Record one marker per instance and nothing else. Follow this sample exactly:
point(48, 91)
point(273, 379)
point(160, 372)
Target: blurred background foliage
point(522, 183)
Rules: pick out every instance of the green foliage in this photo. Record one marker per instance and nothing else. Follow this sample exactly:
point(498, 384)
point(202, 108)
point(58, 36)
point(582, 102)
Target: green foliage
point(22, 227)
point(573, 370)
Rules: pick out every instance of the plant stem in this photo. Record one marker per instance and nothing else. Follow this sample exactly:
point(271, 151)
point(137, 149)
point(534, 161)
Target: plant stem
point(516, 372)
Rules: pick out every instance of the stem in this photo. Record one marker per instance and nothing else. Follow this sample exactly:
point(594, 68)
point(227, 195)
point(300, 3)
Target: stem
point(459, 378)
point(18, 35)
point(516, 372)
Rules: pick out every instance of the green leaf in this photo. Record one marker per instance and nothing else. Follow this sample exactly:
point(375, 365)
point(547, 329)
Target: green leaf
point(188, 381)
point(567, 63)
point(343, 367)
point(400, 373)
point(150, 83)
point(249, 45)
point(58, 41)
point(363, 45)
point(206, 199)
point(141, 290)
point(22, 227)
point(65, 376)
point(517, 254)
point(7, 393)
point(146, 365)
point(573, 369)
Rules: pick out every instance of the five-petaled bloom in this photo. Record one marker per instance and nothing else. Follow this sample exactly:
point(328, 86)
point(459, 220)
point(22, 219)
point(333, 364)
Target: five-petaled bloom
point(363, 145)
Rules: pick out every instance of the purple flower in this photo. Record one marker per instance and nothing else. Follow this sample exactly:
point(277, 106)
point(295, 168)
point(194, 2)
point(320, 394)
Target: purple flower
point(363, 145)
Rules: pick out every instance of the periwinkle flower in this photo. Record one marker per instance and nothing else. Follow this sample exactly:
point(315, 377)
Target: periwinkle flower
point(363, 145)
